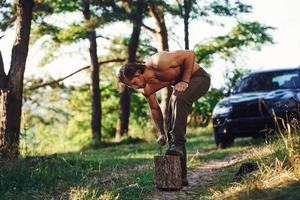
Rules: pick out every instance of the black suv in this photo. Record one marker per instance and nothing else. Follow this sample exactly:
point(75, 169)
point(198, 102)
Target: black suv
point(249, 109)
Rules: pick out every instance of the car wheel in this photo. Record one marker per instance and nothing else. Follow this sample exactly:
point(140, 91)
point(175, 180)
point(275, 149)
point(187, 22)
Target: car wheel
point(223, 140)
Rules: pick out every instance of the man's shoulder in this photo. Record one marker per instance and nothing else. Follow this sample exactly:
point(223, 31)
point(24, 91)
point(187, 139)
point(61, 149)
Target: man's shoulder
point(159, 54)
point(161, 58)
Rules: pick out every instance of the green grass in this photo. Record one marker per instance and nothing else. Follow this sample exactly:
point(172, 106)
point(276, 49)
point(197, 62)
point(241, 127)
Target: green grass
point(125, 171)
point(112, 170)
point(278, 176)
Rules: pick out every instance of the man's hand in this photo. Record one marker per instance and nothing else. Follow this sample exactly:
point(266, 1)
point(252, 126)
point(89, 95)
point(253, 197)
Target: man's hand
point(161, 140)
point(181, 86)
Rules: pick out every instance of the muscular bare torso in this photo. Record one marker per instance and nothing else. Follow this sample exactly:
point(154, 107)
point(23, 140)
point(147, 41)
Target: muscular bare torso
point(164, 69)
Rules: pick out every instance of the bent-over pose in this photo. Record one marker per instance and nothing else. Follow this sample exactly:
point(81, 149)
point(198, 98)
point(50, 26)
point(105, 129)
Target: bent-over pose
point(189, 81)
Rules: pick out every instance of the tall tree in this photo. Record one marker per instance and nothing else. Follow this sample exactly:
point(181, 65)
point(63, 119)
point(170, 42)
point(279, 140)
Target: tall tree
point(11, 85)
point(192, 9)
point(183, 9)
point(157, 11)
point(136, 16)
point(96, 14)
point(95, 85)
point(187, 5)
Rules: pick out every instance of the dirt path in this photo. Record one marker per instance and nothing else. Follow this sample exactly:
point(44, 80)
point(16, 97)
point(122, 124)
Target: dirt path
point(199, 177)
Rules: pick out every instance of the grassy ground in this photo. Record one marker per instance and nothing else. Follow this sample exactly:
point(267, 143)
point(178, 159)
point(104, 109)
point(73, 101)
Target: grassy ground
point(125, 171)
point(278, 176)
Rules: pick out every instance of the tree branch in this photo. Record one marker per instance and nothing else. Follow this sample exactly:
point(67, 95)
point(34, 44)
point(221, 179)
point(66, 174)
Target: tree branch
point(77, 71)
point(104, 37)
point(178, 43)
point(149, 28)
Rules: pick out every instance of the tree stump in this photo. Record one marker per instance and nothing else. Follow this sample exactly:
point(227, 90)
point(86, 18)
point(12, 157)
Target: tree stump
point(168, 172)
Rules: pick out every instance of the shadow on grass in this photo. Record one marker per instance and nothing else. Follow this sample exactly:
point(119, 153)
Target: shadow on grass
point(84, 173)
point(60, 176)
point(55, 175)
point(128, 140)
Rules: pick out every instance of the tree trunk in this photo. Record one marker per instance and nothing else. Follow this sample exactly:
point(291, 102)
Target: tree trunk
point(12, 84)
point(168, 172)
point(95, 86)
point(186, 15)
point(3, 117)
point(162, 38)
point(124, 104)
point(124, 111)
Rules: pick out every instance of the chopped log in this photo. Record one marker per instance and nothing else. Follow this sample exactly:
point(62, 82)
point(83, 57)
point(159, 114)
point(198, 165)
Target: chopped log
point(168, 172)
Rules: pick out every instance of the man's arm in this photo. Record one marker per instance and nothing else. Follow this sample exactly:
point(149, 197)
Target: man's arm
point(188, 61)
point(157, 117)
point(185, 59)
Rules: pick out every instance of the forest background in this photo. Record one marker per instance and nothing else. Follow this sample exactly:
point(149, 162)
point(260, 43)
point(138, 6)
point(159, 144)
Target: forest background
point(61, 100)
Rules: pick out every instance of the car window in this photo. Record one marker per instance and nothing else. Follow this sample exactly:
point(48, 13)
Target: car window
point(267, 81)
point(290, 80)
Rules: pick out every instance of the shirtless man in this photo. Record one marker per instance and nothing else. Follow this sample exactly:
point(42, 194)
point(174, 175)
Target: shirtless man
point(189, 81)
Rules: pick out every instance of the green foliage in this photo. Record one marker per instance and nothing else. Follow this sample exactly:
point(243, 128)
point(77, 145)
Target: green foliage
point(139, 111)
point(110, 101)
point(231, 78)
point(119, 46)
point(44, 116)
point(43, 29)
point(51, 53)
point(43, 7)
point(206, 10)
point(202, 109)
point(72, 34)
point(102, 12)
point(7, 14)
point(59, 35)
point(62, 115)
point(229, 8)
point(245, 34)
point(78, 130)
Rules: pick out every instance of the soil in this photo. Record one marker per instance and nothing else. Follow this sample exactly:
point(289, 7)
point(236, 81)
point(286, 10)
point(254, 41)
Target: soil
point(202, 176)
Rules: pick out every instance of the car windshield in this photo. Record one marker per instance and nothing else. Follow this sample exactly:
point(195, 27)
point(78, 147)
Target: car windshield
point(268, 81)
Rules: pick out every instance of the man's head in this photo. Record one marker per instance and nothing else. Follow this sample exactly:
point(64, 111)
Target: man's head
point(131, 74)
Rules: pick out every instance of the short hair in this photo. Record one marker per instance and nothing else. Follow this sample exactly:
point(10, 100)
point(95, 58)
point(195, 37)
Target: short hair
point(128, 70)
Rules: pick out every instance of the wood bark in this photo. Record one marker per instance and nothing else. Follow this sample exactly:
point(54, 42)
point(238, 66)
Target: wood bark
point(12, 84)
point(124, 104)
point(168, 172)
point(3, 116)
point(95, 84)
